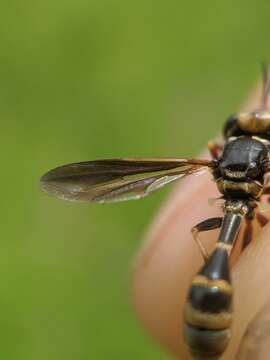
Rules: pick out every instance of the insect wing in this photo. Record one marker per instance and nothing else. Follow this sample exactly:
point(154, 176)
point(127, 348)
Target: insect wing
point(116, 179)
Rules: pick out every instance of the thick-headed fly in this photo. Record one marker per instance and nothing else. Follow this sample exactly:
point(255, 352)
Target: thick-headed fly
point(239, 167)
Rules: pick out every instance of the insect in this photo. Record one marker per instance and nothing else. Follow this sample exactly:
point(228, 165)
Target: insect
point(239, 167)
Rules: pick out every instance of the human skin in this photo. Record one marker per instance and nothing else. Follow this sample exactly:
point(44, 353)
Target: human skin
point(169, 258)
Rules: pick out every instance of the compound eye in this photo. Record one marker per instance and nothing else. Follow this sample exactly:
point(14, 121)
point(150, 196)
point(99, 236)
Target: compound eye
point(231, 127)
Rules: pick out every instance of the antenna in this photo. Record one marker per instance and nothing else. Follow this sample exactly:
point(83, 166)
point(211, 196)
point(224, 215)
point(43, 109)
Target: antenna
point(265, 85)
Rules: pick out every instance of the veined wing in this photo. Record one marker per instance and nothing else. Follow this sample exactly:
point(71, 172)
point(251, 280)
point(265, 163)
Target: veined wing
point(116, 179)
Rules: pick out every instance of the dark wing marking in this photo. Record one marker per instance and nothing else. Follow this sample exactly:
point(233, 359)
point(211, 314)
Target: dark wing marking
point(116, 179)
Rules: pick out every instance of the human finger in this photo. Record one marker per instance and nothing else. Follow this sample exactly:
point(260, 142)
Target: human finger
point(169, 259)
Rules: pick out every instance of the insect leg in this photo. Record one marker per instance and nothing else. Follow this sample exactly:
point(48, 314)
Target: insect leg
point(247, 233)
point(206, 225)
point(214, 149)
point(261, 219)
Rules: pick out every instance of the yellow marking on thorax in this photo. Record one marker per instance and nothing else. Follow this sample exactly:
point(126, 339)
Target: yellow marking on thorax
point(253, 188)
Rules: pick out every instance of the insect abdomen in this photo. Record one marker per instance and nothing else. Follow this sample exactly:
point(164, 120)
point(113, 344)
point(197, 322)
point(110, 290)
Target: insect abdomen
point(208, 311)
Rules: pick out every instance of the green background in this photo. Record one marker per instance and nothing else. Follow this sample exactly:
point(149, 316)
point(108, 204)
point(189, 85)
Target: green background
point(81, 80)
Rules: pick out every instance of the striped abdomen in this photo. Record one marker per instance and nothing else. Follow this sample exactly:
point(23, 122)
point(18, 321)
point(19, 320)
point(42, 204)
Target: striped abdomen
point(208, 311)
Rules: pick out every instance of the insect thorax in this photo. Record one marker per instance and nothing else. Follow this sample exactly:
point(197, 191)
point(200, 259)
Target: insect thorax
point(241, 168)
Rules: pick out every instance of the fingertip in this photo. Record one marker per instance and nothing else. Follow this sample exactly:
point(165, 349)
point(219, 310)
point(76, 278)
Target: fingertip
point(169, 258)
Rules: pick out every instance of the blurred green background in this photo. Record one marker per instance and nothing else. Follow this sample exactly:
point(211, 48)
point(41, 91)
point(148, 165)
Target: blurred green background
point(81, 80)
